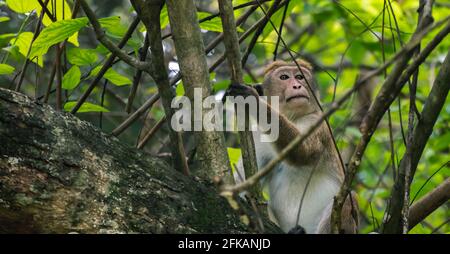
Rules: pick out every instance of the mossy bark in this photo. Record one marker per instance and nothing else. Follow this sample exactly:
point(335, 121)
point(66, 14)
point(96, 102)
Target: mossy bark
point(59, 174)
point(211, 153)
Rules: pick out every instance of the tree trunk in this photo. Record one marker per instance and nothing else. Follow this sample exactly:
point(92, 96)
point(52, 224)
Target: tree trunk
point(211, 152)
point(59, 174)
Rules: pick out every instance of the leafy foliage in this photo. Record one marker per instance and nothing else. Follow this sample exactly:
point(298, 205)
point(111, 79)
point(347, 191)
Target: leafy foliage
point(342, 39)
point(55, 33)
point(85, 107)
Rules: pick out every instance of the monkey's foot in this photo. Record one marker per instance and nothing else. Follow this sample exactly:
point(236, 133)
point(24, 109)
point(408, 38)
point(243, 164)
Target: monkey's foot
point(297, 230)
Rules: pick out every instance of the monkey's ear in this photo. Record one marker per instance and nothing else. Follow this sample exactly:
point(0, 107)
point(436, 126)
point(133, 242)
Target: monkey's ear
point(259, 89)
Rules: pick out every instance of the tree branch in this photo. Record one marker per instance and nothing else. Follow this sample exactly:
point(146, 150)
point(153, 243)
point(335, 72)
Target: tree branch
point(100, 33)
point(149, 103)
point(398, 215)
point(59, 174)
point(429, 203)
point(388, 92)
point(233, 54)
point(149, 11)
point(109, 62)
point(211, 149)
point(422, 132)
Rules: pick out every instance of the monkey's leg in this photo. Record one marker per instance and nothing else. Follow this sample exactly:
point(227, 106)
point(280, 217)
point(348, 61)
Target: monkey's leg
point(349, 217)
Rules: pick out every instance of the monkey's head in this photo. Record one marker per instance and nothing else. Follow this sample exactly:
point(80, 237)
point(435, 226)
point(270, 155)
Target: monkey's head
point(292, 86)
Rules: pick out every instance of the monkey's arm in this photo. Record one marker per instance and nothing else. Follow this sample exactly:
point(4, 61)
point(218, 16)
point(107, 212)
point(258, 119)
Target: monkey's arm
point(308, 150)
point(304, 153)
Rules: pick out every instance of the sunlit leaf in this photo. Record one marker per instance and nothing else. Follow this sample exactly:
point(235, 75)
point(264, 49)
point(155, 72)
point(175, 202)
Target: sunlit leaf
point(164, 17)
point(55, 7)
point(80, 57)
point(180, 89)
point(214, 24)
point(23, 6)
point(6, 69)
point(23, 42)
point(72, 78)
point(58, 11)
point(55, 33)
point(58, 14)
point(4, 19)
point(112, 76)
point(113, 26)
point(235, 155)
point(85, 107)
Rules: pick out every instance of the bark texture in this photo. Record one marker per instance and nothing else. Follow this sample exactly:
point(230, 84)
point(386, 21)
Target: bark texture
point(59, 174)
point(211, 150)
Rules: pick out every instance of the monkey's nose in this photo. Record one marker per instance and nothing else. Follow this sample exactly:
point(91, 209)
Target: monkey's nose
point(297, 86)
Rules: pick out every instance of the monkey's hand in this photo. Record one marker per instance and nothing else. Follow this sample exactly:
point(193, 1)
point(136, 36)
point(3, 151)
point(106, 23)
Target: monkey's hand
point(236, 89)
point(297, 230)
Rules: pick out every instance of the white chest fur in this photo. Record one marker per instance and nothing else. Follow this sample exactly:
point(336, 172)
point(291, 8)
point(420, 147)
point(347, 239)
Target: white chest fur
point(287, 185)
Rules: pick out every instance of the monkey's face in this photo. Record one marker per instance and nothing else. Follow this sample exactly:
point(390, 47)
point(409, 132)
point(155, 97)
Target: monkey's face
point(291, 85)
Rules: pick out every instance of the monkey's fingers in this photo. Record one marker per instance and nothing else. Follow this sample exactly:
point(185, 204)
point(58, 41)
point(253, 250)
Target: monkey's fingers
point(243, 90)
point(233, 90)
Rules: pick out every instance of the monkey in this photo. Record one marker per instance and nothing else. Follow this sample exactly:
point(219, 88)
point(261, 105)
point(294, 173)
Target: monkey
point(312, 172)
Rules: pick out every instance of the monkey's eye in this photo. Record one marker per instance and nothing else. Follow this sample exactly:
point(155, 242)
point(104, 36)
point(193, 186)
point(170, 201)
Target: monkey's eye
point(299, 77)
point(284, 77)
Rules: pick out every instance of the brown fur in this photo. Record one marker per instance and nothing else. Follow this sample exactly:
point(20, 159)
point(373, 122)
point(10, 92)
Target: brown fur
point(316, 151)
point(280, 63)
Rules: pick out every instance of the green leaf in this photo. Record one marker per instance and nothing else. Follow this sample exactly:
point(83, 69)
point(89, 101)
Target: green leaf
point(214, 24)
point(72, 78)
point(112, 76)
point(58, 12)
point(102, 50)
point(13, 50)
point(221, 85)
point(6, 69)
point(116, 78)
point(356, 52)
point(81, 57)
point(5, 38)
point(113, 26)
point(23, 42)
point(23, 6)
point(55, 33)
point(164, 17)
point(85, 107)
point(235, 155)
point(4, 19)
point(180, 89)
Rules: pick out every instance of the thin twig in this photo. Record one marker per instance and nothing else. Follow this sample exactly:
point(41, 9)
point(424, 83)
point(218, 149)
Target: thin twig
point(281, 30)
point(37, 31)
point(150, 133)
point(137, 77)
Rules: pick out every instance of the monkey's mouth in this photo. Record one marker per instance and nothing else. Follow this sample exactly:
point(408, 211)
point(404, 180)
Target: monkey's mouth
point(297, 97)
